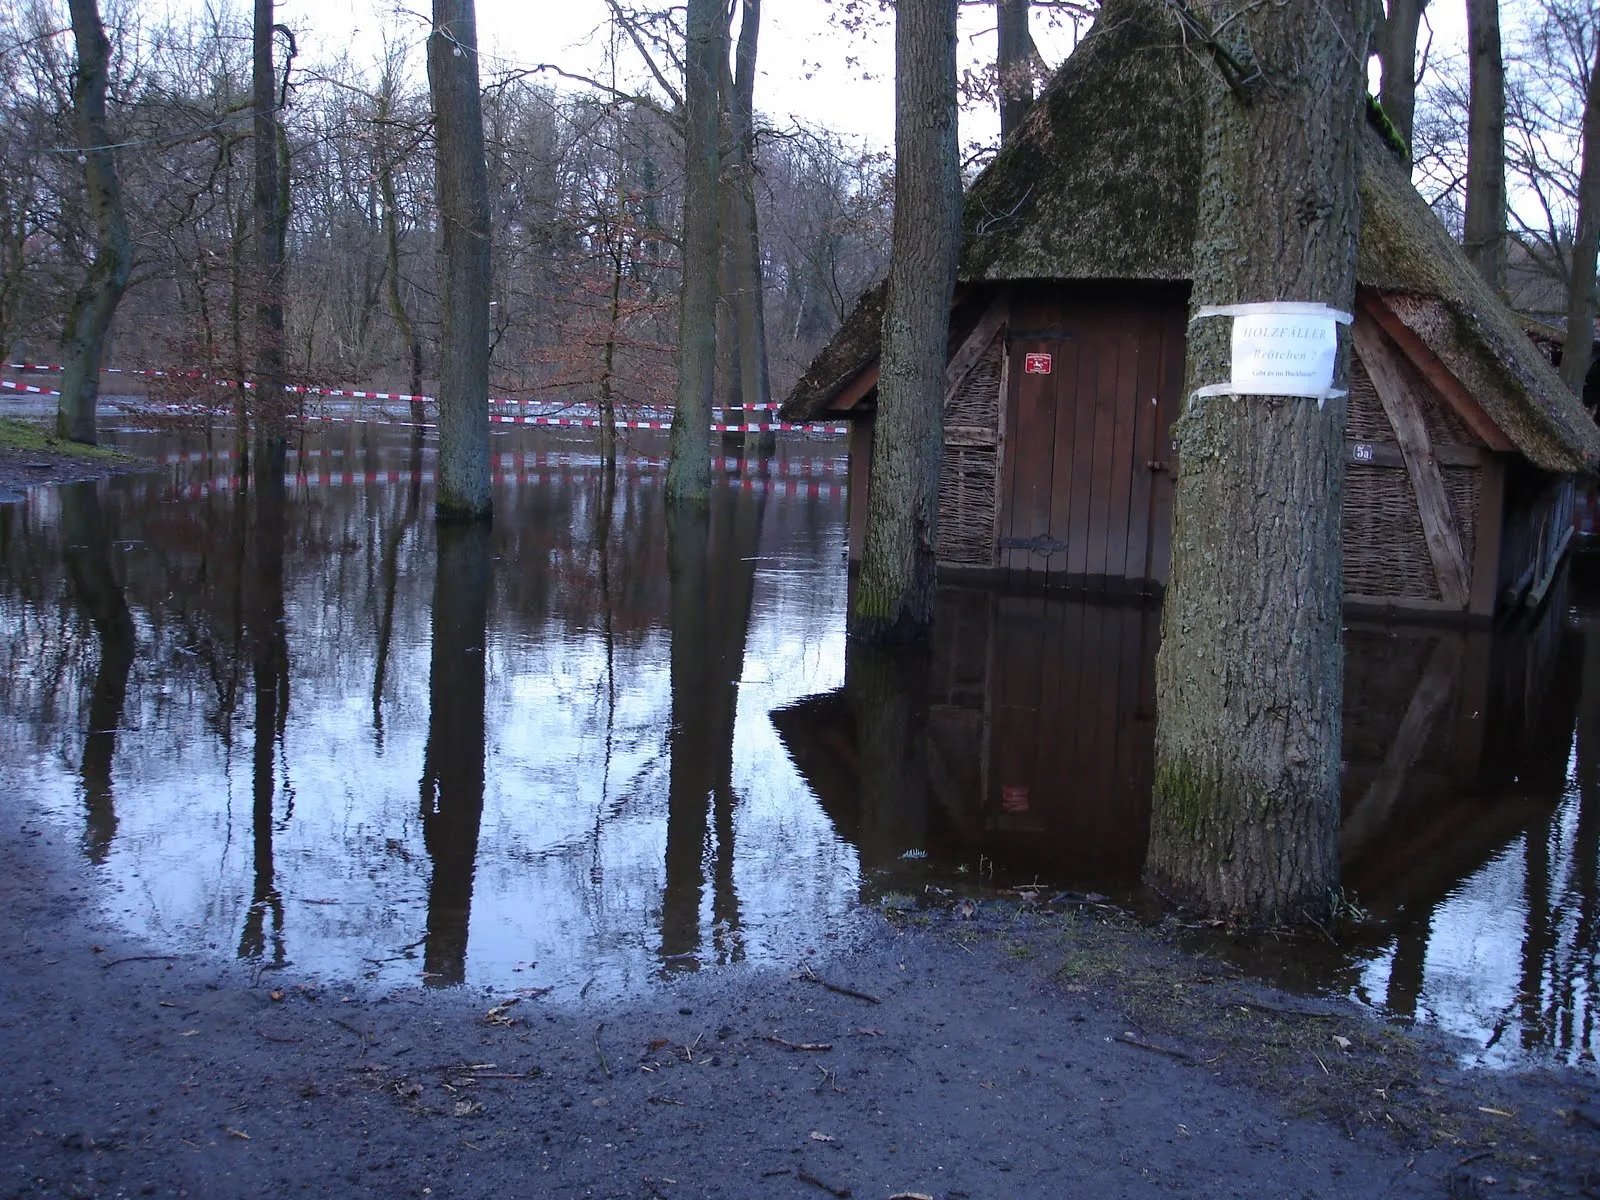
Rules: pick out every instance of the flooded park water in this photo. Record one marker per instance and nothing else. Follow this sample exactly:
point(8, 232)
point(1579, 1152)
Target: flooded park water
point(586, 748)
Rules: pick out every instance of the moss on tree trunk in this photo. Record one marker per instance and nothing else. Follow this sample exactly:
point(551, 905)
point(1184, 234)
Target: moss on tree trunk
point(1250, 673)
point(894, 597)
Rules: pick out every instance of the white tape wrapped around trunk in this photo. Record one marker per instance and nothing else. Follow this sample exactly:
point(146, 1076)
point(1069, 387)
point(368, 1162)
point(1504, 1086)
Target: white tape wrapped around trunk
point(1280, 348)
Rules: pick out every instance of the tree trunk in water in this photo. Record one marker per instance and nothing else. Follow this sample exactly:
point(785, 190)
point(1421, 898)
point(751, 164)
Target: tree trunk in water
point(452, 763)
point(1249, 679)
point(270, 206)
point(1397, 51)
point(1013, 64)
point(1485, 236)
point(894, 596)
point(462, 188)
point(1579, 345)
point(689, 469)
point(744, 239)
point(88, 322)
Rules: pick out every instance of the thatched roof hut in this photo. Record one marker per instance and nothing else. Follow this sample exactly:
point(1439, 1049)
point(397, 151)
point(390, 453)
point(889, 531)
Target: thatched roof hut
point(1081, 231)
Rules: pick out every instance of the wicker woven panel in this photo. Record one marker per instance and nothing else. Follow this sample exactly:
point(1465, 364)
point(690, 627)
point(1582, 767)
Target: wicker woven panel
point(1461, 486)
point(1385, 553)
point(966, 505)
point(1369, 423)
point(978, 401)
point(1385, 550)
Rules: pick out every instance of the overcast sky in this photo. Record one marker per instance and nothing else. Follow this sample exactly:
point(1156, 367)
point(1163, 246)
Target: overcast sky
point(811, 70)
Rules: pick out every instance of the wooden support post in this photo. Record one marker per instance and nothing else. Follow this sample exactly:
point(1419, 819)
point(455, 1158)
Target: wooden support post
point(972, 347)
point(1404, 411)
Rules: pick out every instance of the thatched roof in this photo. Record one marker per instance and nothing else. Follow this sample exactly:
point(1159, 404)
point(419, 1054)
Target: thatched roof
point(1101, 183)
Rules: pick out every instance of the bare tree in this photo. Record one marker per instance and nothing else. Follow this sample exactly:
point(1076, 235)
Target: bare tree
point(463, 205)
point(1396, 43)
point(1245, 809)
point(689, 472)
point(742, 237)
point(1485, 239)
point(95, 303)
point(894, 597)
point(1013, 64)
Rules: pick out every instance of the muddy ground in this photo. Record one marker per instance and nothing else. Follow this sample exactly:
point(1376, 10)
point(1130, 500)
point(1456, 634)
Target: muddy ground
point(1031, 1047)
point(31, 455)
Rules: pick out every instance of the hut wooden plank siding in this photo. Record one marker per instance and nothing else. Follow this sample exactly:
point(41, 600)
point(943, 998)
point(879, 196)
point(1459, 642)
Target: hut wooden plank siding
point(1066, 357)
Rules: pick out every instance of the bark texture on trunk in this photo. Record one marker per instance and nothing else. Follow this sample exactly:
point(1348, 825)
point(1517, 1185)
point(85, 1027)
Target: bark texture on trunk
point(462, 190)
point(1013, 64)
point(894, 597)
point(270, 203)
point(1485, 235)
point(1245, 812)
point(744, 237)
point(689, 469)
point(1397, 51)
point(83, 337)
point(1579, 346)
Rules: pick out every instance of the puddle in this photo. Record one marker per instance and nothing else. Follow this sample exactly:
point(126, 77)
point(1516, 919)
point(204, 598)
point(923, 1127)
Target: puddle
point(588, 748)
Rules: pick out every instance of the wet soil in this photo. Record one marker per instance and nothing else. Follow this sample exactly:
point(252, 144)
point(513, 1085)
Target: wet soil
point(30, 455)
point(1034, 1046)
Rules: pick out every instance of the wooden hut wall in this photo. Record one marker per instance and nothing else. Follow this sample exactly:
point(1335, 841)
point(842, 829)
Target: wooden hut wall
point(1537, 528)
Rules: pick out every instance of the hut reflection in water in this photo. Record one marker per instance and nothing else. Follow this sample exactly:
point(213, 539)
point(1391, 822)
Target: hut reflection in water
point(1028, 740)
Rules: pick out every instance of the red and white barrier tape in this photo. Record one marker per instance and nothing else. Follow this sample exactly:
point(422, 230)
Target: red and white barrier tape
point(311, 390)
point(804, 489)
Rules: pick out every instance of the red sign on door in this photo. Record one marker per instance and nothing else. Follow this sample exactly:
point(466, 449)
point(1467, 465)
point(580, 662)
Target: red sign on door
point(1036, 364)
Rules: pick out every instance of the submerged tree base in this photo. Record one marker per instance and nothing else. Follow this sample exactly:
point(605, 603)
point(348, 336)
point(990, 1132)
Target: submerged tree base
point(1240, 845)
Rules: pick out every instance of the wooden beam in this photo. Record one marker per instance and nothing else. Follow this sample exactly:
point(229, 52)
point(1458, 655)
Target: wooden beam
point(851, 394)
point(1387, 454)
point(974, 344)
point(1438, 375)
point(1488, 529)
point(1433, 504)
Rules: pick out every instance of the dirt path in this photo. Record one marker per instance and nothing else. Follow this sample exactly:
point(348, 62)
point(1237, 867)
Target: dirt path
point(1019, 1053)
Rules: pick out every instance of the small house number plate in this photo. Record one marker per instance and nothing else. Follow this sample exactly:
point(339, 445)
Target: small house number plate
point(1361, 452)
point(1036, 364)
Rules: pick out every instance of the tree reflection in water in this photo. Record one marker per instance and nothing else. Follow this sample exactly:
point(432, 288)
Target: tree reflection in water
point(87, 548)
point(452, 770)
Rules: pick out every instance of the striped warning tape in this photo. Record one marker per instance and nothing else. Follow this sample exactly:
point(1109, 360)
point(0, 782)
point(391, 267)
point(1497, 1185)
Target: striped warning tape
point(314, 390)
point(662, 425)
point(567, 461)
point(799, 488)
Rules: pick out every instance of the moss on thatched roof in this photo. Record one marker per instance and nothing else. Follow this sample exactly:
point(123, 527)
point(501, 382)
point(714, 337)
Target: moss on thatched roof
point(1101, 181)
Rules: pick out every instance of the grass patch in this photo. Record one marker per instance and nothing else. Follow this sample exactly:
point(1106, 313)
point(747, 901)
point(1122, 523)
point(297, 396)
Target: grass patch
point(29, 437)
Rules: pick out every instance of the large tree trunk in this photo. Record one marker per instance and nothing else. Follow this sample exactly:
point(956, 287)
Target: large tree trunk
point(270, 224)
point(1013, 64)
point(1579, 345)
point(689, 471)
point(94, 304)
point(1485, 234)
point(1249, 683)
point(1397, 51)
point(462, 187)
point(894, 597)
point(744, 238)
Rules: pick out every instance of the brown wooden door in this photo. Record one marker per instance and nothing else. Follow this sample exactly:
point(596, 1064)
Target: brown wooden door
point(1087, 483)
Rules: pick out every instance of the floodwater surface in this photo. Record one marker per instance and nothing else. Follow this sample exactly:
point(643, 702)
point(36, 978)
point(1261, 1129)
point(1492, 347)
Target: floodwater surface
point(591, 746)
